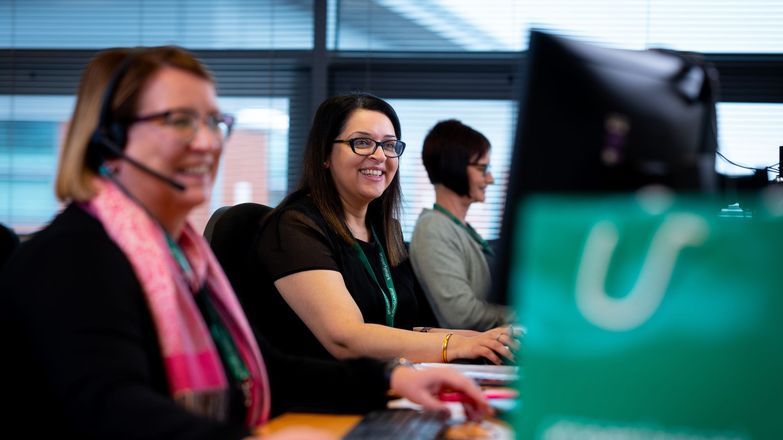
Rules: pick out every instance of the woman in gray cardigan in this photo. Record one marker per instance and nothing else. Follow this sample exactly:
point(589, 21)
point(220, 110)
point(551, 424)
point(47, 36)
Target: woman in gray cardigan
point(449, 257)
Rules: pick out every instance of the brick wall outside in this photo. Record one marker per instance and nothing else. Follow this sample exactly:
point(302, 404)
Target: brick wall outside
point(244, 160)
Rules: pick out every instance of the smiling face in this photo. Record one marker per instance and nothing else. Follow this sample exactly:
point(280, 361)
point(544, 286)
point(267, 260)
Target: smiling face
point(361, 179)
point(161, 147)
point(479, 177)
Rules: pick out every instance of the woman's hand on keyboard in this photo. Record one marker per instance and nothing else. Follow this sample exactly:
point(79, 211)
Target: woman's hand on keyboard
point(494, 345)
point(424, 386)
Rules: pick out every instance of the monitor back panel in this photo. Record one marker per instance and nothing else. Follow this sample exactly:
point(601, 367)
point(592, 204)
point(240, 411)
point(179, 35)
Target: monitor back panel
point(649, 317)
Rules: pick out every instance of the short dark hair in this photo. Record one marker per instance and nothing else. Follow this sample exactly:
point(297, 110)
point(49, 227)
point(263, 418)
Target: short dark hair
point(448, 149)
point(329, 121)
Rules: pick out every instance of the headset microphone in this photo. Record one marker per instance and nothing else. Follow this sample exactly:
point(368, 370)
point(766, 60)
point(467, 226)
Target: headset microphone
point(108, 139)
point(114, 148)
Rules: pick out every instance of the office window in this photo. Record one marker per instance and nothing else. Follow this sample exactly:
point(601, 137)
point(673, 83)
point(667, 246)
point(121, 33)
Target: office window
point(253, 167)
point(749, 135)
point(31, 128)
point(695, 25)
point(254, 163)
point(195, 24)
point(496, 119)
point(26, 177)
point(248, 45)
point(503, 25)
point(430, 25)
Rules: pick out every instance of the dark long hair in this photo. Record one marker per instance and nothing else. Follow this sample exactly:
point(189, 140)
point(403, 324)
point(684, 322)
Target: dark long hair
point(383, 212)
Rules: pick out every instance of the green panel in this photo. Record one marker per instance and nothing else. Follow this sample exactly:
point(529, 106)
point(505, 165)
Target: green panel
point(680, 340)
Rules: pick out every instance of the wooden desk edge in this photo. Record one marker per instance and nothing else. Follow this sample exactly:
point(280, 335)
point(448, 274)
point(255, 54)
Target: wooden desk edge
point(335, 424)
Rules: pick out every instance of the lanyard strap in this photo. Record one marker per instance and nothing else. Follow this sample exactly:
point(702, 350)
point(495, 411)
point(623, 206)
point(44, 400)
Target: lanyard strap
point(466, 226)
point(220, 334)
point(390, 299)
point(182, 262)
point(225, 344)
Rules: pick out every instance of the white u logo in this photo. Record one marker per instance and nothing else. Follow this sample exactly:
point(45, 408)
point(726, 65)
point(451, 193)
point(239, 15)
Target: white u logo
point(634, 309)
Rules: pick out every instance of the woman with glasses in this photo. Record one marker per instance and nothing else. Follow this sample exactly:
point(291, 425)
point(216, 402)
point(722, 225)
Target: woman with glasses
point(117, 319)
point(449, 257)
point(336, 281)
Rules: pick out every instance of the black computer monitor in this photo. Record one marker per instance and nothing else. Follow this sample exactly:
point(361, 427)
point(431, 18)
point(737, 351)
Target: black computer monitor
point(602, 120)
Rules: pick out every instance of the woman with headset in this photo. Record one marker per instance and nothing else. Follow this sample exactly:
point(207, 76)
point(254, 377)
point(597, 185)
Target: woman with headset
point(116, 317)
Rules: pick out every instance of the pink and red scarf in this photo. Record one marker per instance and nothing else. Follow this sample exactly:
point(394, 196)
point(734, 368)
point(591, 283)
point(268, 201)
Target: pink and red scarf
point(196, 377)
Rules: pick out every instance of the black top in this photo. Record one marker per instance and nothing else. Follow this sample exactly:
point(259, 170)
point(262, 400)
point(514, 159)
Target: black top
point(296, 238)
point(8, 242)
point(81, 356)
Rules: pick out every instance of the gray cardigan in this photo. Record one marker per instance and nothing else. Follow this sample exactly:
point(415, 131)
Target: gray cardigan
point(454, 274)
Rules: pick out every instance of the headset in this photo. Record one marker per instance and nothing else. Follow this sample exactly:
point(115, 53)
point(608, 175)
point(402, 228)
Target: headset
point(109, 138)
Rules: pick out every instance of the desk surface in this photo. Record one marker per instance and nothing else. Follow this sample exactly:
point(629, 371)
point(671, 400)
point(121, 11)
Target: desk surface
point(335, 424)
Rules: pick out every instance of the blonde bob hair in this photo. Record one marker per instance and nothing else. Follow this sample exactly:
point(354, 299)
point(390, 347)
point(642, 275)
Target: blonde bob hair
point(75, 175)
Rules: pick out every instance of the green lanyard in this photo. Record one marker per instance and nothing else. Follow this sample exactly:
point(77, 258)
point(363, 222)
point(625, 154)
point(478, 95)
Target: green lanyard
point(182, 261)
point(390, 300)
point(221, 336)
point(472, 232)
point(223, 341)
point(227, 348)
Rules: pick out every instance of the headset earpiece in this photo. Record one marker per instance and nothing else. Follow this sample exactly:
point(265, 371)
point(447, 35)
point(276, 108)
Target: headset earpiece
point(118, 134)
point(105, 144)
point(95, 150)
point(108, 139)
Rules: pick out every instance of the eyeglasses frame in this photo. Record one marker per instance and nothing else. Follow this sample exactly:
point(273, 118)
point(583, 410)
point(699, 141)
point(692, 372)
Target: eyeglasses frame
point(486, 167)
point(350, 142)
point(225, 118)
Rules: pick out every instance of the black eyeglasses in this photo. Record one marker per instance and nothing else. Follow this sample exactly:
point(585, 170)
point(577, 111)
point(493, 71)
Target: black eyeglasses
point(482, 167)
point(187, 122)
point(367, 146)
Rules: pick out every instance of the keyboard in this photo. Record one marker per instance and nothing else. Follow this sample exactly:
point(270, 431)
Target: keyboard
point(404, 424)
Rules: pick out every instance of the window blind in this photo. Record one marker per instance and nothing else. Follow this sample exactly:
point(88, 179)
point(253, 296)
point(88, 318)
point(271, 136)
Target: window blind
point(195, 24)
point(254, 49)
point(751, 26)
point(426, 52)
point(421, 52)
point(495, 119)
